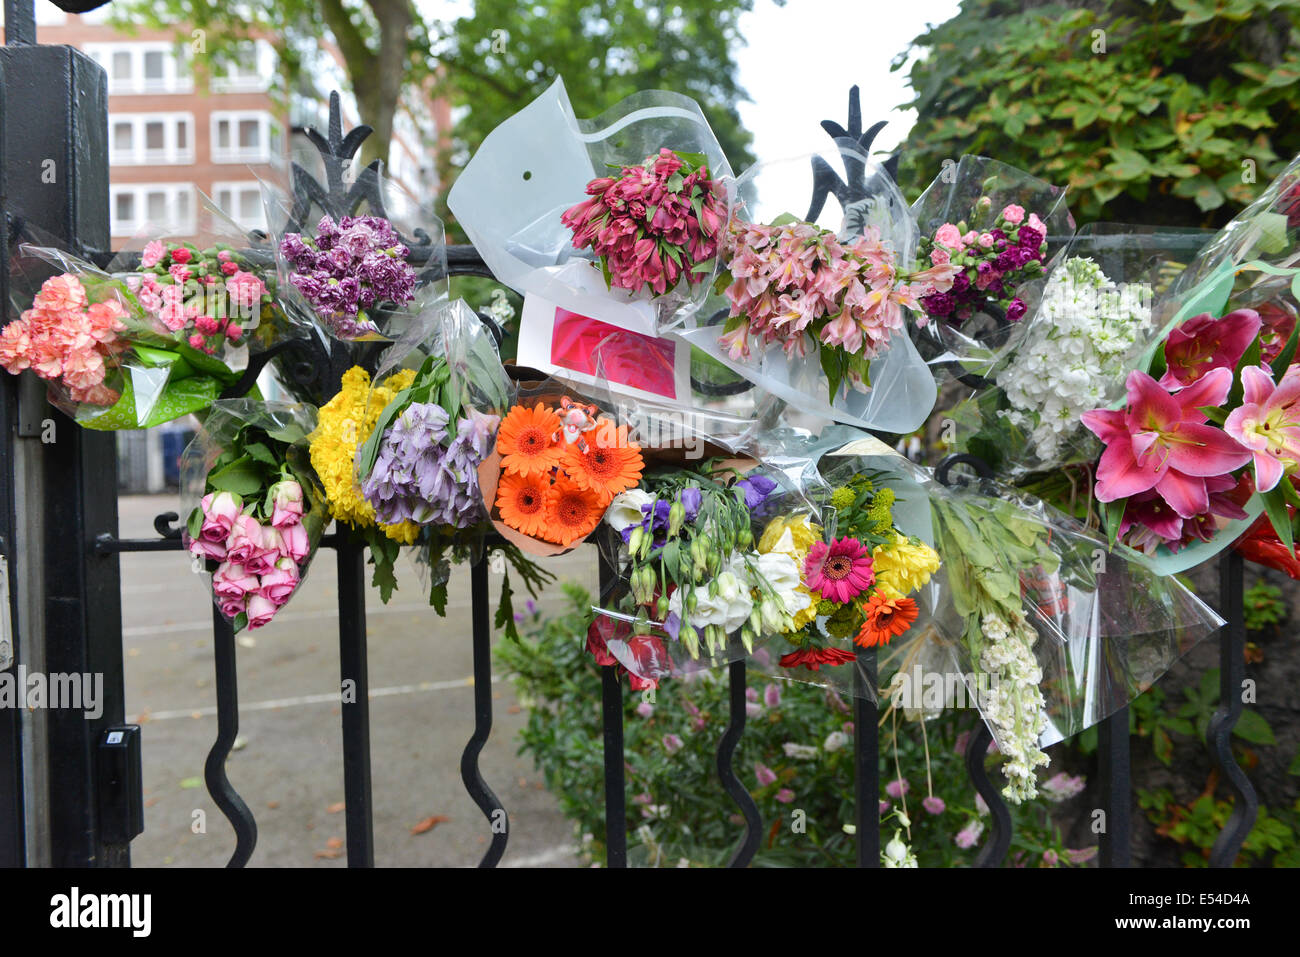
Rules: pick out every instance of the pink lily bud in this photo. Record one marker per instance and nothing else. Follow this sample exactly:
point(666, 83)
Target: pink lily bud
point(286, 497)
point(260, 611)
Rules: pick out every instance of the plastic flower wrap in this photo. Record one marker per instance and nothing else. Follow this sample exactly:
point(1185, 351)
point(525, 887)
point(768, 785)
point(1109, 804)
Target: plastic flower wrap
point(108, 364)
point(260, 509)
point(816, 310)
point(997, 225)
point(361, 277)
point(650, 224)
point(1043, 630)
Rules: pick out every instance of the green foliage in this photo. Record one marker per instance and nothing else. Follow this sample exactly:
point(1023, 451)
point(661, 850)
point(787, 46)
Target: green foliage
point(1153, 111)
point(1264, 607)
point(1197, 824)
point(677, 809)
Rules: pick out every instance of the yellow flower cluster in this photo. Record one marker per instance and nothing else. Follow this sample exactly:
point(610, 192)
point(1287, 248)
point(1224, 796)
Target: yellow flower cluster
point(904, 566)
point(345, 422)
point(793, 535)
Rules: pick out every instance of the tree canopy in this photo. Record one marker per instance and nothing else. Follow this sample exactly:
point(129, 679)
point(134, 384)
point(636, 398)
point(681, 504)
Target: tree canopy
point(1156, 111)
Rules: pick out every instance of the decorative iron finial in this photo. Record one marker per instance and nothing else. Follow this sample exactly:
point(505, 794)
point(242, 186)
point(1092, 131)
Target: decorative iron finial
point(853, 140)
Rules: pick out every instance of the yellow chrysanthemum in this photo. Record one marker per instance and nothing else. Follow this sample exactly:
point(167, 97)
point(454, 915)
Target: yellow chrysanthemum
point(345, 422)
point(904, 566)
point(792, 535)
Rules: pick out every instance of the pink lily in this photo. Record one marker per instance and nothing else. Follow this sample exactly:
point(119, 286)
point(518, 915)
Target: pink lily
point(1204, 343)
point(1268, 423)
point(1161, 441)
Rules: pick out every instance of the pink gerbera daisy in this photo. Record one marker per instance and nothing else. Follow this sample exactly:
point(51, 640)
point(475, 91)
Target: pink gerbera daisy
point(840, 571)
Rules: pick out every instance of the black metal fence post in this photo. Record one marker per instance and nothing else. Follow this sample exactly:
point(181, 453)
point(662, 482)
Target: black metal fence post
point(56, 158)
point(355, 689)
point(866, 758)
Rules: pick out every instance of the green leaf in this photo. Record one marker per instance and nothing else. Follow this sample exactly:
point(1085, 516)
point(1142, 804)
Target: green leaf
point(1275, 507)
point(1252, 727)
point(241, 476)
point(1251, 357)
point(1128, 164)
point(259, 452)
point(505, 616)
point(1283, 360)
point(1113, 514)
point(195, 523)
point(438, 598)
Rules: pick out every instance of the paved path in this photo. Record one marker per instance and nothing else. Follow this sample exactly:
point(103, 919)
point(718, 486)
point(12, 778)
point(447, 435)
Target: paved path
point(290, 765)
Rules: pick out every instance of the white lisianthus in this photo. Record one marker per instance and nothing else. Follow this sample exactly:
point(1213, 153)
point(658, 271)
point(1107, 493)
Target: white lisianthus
point(729, 608)
point(625, 510)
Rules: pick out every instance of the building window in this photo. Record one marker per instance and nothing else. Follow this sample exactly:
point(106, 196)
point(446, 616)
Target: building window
point(245, 137)
point(152, 67)
point(249, 70)
point(151, 139)
point(242, 202)
point(166, 207)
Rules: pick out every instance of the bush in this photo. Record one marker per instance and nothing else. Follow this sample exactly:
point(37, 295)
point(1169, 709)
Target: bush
point(798, 737)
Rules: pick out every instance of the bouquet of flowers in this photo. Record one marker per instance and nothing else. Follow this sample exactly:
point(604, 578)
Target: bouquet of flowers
point(262, 510)
point(796, 285)
point(637, 188)
point(654, 224)
point(993, 263)
point(108, 364)
point(209, 296)
point(68, 340)
point(348, 268)
point(556, 467)
point(859, 574)
point(691, 577)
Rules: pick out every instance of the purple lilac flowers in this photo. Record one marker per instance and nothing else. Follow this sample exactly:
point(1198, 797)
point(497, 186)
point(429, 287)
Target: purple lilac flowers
point(348, 268)
point(419, 476)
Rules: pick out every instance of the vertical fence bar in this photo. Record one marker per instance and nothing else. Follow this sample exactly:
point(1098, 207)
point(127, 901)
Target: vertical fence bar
point(866, 758)
point(726, 770)
point(470, 773)
point(611, 697)
point(999, 842)
point(1218, 735)
point(223, 794)
point(355, 686)
point(1115, 843)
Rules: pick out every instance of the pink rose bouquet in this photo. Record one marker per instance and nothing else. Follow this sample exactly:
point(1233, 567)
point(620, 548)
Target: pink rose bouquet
point(261, 514)
point(652, 225)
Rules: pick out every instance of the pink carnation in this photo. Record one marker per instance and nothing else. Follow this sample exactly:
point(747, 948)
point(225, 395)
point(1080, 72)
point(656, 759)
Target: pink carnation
point(1014, 214)
point(949, 235)
point(153, 253)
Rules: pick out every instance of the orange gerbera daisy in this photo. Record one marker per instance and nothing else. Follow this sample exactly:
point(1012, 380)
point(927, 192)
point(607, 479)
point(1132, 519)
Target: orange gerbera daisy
point(572, 512)
point(526, 440)
point(521, 500)
point(611, 463)
point(886, 617)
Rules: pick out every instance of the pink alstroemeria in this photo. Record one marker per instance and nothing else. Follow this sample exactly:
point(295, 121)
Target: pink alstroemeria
point(1268, 423)
point(1161, 441)
point(1203, 343)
